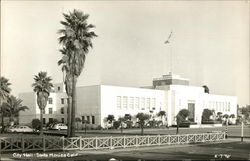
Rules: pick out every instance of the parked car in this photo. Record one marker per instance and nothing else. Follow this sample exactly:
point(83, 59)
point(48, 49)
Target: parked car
point(20, 129)
point(59, 126)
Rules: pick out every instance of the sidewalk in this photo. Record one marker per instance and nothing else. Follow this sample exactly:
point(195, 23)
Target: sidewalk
point(159, 151)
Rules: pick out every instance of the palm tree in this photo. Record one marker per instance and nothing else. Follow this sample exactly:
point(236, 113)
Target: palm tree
point(4, 93)
point(76, 40)
point(181, 116)
point(13, 106)
point(42, 87)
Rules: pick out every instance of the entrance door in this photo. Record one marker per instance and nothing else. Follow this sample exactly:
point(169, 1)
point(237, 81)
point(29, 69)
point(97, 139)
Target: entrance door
point(191, 109)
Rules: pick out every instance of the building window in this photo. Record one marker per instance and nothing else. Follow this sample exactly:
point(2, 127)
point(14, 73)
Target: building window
point(50, 101)
point(137, 102)
point(50, 111)
point(93, 119)
point(131, 102)
point(228, 107)
point(83, 119)
point(44, 120)
point(153, 103)
point(143, 103)
point(119, 102)
point(58, 88)
point(88, 119)
point(62, 120)
point(148, 103)
point(50, 120)
point(62, 110)
point(62, 101)
point(125, 102)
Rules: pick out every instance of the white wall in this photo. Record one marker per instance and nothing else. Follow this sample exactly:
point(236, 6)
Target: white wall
point(88, 103)
point(109, 100)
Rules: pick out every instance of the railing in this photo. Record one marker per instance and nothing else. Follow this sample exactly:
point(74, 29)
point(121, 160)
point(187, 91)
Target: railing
point(48, 143)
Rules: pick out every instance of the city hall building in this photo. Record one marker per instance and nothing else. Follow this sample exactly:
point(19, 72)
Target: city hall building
point(170, 93)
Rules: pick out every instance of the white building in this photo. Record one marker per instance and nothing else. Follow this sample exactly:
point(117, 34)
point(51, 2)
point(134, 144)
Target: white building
point(170, 93)
point(56, 107)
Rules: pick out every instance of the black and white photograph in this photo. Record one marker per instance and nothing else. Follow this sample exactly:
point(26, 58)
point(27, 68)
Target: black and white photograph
point(125, 80)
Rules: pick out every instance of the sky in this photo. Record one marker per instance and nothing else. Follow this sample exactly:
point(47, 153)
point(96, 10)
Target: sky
point(209, 45)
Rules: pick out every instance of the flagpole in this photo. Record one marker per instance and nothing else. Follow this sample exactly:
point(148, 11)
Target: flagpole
point(170, 46)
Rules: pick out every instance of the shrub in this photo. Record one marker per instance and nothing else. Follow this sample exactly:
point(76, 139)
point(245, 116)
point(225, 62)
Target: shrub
point(116, 124)
point(206, 114)
point(36, 124)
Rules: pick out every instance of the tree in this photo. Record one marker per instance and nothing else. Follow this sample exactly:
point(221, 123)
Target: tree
point(76, 40)
point(4, 93)
point(206, 114)
point(142, 120)
point(181, 116)
point(206, 89)
point(110, 119)
point(232, 116)
point(13, 106)
point(162, 114)
point(121, 121)
point(42, 87)
point(85, 125)
point(77, 122)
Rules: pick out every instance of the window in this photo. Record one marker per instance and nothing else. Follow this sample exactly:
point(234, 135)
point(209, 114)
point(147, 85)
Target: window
point(62, 120)
point(50, 119)
point(50, 111)
point(148, 103)
point(88, 119)
point(137, 102)
point(153, 103)
point(83, 119)
point(93, 119)
point(62, 110)
point(50, 101)
point(44, 120)
point(131, 102)
point(58, 88)
point(62, 101)
point(125, 102)
point(119, 102)
point(143, 103)
point(228, 106)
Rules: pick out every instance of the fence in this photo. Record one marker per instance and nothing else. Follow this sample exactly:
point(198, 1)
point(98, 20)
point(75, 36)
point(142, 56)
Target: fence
point(48, 143)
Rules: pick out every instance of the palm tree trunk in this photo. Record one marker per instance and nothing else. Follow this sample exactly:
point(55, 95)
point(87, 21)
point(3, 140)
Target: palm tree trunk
point(73, 107)
point(41, 119)
point(141, 128)
point(2, 117)
point(69, 116)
